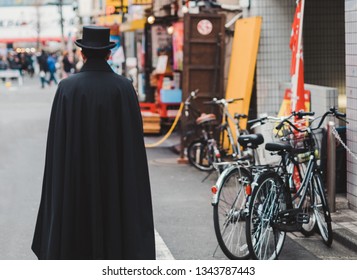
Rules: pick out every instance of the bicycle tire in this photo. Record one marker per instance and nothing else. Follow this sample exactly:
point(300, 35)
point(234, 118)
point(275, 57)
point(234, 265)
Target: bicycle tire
point(268, 198)
point(200, 156)
point(229, 214)
point(321, 210)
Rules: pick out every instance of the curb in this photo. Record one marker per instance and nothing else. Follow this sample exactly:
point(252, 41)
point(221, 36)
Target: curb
point(346, 237)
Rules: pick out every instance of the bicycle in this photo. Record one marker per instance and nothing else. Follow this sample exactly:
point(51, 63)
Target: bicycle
point(225, 129)
point(229, 196)
point(203, 151)
point(273, 210)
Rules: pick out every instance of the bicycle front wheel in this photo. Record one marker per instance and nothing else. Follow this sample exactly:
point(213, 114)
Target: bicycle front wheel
point(229, 214)
point(200, 155)
point(321, 210)
point(265, 241)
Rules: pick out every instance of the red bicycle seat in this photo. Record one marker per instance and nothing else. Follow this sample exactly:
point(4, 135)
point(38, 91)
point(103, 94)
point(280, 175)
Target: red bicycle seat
point(204, 118)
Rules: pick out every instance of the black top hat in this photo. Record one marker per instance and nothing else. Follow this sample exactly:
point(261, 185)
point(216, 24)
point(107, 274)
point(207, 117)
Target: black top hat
point(95, 38)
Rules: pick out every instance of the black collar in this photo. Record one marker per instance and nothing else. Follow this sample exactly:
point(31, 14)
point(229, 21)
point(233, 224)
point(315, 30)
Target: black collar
point(96, 64)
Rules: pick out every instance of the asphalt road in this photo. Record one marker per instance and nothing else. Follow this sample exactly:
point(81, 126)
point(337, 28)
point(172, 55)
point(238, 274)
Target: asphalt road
point(182, 210)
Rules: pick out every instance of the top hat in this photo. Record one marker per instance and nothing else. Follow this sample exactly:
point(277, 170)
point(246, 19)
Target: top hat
point(95, 38)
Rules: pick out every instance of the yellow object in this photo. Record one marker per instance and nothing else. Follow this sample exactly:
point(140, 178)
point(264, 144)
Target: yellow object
point(133, 25)
point(170, 130)
point(109, 20)
point(242, 66)
point(8, 84)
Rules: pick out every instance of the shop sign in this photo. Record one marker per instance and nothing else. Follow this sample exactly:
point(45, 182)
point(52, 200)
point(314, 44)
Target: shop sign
point(116, 7)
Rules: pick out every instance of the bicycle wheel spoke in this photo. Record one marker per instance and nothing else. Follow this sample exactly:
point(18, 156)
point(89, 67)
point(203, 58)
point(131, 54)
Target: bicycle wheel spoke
point(229, 215)
point(267, 200)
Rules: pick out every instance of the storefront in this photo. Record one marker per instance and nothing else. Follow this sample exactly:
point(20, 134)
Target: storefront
point(154, 60)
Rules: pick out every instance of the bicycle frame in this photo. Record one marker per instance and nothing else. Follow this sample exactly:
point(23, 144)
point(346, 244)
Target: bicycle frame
point(301, 193)
point(227, 116)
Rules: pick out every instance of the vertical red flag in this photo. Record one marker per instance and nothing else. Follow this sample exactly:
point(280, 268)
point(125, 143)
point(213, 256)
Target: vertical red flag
point(297, 73)
point(297, 63)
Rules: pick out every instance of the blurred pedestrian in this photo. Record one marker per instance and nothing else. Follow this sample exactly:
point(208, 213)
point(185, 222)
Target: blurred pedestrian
point(3, 63)
point(96, 198)
point(52, 69)
point(42, 62)
point(67, 65)
point(3, 66)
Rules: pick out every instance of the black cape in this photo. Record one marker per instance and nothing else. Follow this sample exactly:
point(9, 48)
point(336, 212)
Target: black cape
point(96, 199)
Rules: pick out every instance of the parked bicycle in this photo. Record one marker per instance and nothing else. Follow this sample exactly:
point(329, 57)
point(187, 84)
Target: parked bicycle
point(229, 197)
point(203, 151)
point(231, 192)
point(274, 209)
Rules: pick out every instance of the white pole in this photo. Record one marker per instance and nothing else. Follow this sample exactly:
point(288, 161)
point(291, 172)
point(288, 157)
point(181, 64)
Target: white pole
point(294, 78)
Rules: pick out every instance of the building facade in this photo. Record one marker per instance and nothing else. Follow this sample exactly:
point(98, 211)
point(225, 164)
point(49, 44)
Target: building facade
point(330, 60)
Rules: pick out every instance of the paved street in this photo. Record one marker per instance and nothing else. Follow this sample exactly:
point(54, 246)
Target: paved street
point(182, 210)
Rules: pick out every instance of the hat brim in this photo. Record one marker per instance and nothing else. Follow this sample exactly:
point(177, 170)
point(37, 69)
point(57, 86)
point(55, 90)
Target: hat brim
point(110, 46)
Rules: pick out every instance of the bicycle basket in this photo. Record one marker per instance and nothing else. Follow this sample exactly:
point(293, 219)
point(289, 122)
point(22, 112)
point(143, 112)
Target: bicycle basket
point(303, 143)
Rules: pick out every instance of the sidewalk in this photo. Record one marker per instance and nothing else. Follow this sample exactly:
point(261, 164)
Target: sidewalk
point(344, 224)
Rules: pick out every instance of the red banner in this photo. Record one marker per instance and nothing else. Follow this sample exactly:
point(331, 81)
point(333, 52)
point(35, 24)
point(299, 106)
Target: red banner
point(297, 62)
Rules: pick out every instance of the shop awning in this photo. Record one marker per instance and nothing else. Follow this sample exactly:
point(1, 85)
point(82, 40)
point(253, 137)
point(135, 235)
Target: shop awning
point(133, 25)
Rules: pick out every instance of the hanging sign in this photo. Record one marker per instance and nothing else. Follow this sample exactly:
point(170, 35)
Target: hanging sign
point(204, 27)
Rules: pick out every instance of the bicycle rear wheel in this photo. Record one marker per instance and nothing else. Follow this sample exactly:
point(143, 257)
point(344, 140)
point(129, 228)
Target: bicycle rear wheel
point(321, 210)
point(265, 241)
point(229, 214)
point(200, 155)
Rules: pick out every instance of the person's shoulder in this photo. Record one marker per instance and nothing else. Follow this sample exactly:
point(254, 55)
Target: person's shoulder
point(67, 83)
point(122, 81)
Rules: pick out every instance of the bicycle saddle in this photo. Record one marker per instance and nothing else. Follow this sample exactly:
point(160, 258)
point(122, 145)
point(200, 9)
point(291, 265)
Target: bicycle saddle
point(275, 147)
point(251, 140)
point(204, 118)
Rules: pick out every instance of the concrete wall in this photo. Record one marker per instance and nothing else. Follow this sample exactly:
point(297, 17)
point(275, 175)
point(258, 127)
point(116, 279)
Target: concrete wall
point(351, 94)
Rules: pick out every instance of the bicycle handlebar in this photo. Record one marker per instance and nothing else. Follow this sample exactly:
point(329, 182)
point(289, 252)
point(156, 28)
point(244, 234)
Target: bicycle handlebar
point(333, 111)
point(192, 95)
point(301, 114)
point(223, 101)
point(263, 119)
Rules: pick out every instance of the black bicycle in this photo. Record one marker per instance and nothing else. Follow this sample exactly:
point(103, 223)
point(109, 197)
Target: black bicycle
point(274, 210)
point(203, 150)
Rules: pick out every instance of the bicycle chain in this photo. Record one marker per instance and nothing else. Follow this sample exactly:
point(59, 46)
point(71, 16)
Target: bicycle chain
point(338, 137)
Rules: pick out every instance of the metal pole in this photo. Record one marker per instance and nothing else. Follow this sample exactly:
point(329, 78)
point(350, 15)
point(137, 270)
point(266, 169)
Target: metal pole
point(60, 6)
point(331, 166)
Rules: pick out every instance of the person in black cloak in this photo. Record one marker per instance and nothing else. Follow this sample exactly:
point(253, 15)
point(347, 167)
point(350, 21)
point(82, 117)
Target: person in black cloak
point(96, 197)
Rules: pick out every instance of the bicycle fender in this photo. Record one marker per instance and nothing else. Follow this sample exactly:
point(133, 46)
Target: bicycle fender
point(219, 183)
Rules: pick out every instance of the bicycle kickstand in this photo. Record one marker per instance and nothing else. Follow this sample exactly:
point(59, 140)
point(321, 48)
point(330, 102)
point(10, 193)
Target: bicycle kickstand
point(209, 174)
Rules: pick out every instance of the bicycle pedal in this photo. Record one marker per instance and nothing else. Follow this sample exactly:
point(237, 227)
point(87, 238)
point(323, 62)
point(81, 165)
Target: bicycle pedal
point(303, 218)
point(288, 215)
